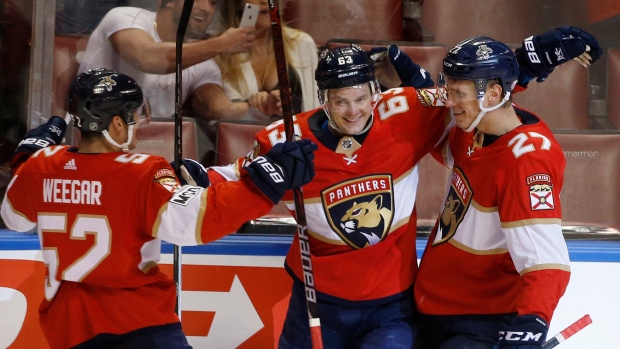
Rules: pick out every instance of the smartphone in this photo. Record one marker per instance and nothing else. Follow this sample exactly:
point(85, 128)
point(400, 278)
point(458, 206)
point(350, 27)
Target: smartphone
point(250, 13)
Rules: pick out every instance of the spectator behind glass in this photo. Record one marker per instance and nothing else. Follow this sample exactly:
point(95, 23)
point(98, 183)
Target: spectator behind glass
point(141, 44)
point(252, 76)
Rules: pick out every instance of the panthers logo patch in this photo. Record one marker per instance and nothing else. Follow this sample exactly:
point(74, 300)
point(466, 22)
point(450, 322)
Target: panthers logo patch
point(360, 211)
point(456, 204)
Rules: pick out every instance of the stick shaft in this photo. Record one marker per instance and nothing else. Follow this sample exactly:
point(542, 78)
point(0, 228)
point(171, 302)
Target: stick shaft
point(300, 213)
point(178, 133)
point(568, 332)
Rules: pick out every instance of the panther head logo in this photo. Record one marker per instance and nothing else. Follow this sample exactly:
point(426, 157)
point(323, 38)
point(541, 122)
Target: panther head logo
point(364, 223)
point(359, 210)
point(455, 206)
point(448, 217)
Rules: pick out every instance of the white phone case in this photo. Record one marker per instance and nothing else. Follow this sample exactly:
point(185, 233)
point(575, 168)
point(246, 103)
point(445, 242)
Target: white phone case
point(250, 13)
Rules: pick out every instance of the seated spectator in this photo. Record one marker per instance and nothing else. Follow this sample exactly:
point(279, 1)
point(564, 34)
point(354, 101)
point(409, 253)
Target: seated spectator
point(141, 43)
point(251, 76)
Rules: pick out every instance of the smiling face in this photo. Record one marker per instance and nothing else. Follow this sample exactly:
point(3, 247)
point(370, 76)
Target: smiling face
point(462, 101)
point(202, 14)
point(350, 108)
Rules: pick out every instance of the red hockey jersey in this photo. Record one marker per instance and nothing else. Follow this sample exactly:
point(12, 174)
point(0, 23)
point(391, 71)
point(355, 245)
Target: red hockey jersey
point(359, 204)
point(497, 246)
point(100, 220)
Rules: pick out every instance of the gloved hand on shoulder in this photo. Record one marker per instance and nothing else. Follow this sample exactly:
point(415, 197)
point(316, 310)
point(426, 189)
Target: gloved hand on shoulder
point(192, 172)
point(523, 332)
point(540, 54)
point(50, 133)
point(409, 73)
point(286, 166)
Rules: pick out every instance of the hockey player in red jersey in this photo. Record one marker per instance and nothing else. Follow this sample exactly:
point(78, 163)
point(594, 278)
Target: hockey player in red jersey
point(358, 207)
point(496, 263)
point(101, 214)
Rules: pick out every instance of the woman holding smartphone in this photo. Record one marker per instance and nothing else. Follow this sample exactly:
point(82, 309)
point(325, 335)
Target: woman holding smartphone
point(252, 76)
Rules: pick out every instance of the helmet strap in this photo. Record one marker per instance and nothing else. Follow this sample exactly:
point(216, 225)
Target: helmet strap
point(484, 110)
point(125, 146)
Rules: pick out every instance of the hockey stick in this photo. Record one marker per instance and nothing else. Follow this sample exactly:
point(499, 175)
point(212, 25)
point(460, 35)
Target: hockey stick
point(568, 332)
point(178, 133)
point(300, 212)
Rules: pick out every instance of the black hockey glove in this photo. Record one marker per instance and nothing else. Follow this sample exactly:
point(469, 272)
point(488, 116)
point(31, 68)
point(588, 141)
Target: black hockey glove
point(286, 166)
point(408, 71)
point(540, 54)
point(523, 332)
point(49, 133)
point(192, 173)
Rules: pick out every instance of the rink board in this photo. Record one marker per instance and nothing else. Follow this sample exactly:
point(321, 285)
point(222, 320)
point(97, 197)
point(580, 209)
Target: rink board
point(235, 292)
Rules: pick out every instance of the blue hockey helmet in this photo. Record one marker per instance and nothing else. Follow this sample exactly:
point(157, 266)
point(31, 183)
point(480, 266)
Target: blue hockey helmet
point(99, 94)
point(342, 67)
point(481, 59)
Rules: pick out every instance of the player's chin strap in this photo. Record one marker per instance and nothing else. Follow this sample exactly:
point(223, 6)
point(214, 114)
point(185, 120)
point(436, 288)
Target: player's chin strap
point(484, 110)
point(125, 146)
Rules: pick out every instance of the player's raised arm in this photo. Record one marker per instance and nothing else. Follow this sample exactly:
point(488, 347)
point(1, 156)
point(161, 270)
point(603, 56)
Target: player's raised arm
point(540, 54)
point(394, 68)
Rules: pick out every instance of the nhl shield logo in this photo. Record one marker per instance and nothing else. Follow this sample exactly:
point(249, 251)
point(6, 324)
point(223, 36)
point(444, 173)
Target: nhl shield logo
point(456, 205)
point(360, 211)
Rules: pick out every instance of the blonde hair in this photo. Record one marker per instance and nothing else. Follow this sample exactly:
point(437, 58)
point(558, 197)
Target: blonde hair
point(230, 65)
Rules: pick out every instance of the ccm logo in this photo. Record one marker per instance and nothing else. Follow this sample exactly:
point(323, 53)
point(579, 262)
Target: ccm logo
point(268, 167)
point(36, 141)
point(531, 50)
point(519, 336)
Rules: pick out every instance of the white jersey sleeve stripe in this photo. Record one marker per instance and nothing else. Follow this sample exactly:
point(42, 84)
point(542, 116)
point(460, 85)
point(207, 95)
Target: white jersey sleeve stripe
point(180, 219)
point(13, 219)
point(536, 245)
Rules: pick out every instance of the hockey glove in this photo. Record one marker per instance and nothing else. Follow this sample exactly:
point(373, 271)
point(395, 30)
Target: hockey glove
point(192, 173)
point(286, 166)
point(408, 71)
point(540, 54)
point(523, 332)
point(49, 133)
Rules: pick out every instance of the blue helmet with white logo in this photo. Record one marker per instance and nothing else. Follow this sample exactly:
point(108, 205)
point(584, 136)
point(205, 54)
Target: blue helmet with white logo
point(481, 59)
point(343, 67)
point(99, 94)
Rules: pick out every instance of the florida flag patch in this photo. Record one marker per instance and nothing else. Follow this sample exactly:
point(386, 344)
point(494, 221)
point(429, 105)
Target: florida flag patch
point(541, 192)
point(167, 179)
